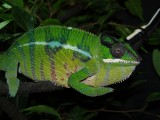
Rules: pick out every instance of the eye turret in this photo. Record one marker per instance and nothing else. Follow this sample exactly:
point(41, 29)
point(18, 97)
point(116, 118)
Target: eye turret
point(118, 50)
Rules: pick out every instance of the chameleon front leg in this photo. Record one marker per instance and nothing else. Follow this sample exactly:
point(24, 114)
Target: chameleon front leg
point(75, 82)
point(11, 76)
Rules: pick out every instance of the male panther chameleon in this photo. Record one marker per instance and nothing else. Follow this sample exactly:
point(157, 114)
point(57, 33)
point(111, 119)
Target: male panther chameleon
point(74, 58)
point(69, 57)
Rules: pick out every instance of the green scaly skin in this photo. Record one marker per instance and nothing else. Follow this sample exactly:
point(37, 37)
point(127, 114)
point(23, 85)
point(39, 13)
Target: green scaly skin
point(68, 57)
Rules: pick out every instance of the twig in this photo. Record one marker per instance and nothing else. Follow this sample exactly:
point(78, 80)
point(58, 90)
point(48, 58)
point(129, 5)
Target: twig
point(116, 24)
point(142, 110)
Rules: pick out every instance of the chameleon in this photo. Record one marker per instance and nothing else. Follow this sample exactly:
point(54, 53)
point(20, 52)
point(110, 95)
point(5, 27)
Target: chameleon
point(69, 57)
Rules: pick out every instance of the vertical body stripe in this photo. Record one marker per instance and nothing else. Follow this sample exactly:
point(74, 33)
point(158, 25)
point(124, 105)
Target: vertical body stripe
point(42, 71)
point(32, 55)
point(21, 52)
point(107, 77)
point(52, 68)
point(50, 53)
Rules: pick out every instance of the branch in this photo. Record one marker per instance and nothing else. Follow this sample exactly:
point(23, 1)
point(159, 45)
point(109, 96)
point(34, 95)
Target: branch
point(31, 87)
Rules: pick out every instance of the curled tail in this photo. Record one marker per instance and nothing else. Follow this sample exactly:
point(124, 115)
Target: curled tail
point(3, 61)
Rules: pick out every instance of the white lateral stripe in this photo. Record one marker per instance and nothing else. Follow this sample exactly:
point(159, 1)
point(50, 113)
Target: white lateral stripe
point(119, 61)
point(58, 44)
point(74, 48)
point(112, 60)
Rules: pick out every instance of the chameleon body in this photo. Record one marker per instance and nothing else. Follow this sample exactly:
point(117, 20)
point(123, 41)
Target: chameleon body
point(68, 57)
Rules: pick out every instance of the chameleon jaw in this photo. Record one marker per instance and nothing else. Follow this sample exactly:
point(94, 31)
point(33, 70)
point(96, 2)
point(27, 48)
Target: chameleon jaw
point(120, 61)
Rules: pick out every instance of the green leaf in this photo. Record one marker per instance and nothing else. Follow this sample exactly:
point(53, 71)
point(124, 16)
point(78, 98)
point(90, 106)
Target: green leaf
point(6, 17)
point(42, 109)
point(154, 39)
point(24, 19)
point(79, 113)
point(102, 19)
point(8, 37)
point(18, 3)
point(137, 83)
point(4, 23)
point(7, 6)
point(122, 31)
point(155, 96)
point(51, 21)
point(156, 60)
point(135, 8)
point(57, 5)
point(10, 3)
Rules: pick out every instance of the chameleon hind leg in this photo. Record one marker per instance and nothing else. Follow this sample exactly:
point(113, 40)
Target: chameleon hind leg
point(11, 76)
point(75, 82)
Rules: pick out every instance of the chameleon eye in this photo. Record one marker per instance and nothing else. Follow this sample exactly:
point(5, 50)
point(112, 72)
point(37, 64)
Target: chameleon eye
point(117, 50)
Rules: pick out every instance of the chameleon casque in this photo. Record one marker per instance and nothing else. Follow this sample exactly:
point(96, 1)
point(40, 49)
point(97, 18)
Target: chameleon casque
point(69, 57)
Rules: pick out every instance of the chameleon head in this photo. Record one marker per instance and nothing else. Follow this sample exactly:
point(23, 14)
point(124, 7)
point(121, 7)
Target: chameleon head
point(119, 60)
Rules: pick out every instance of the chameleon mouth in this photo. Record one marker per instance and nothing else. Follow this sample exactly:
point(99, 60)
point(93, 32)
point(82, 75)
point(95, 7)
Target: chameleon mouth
point(127, 62)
